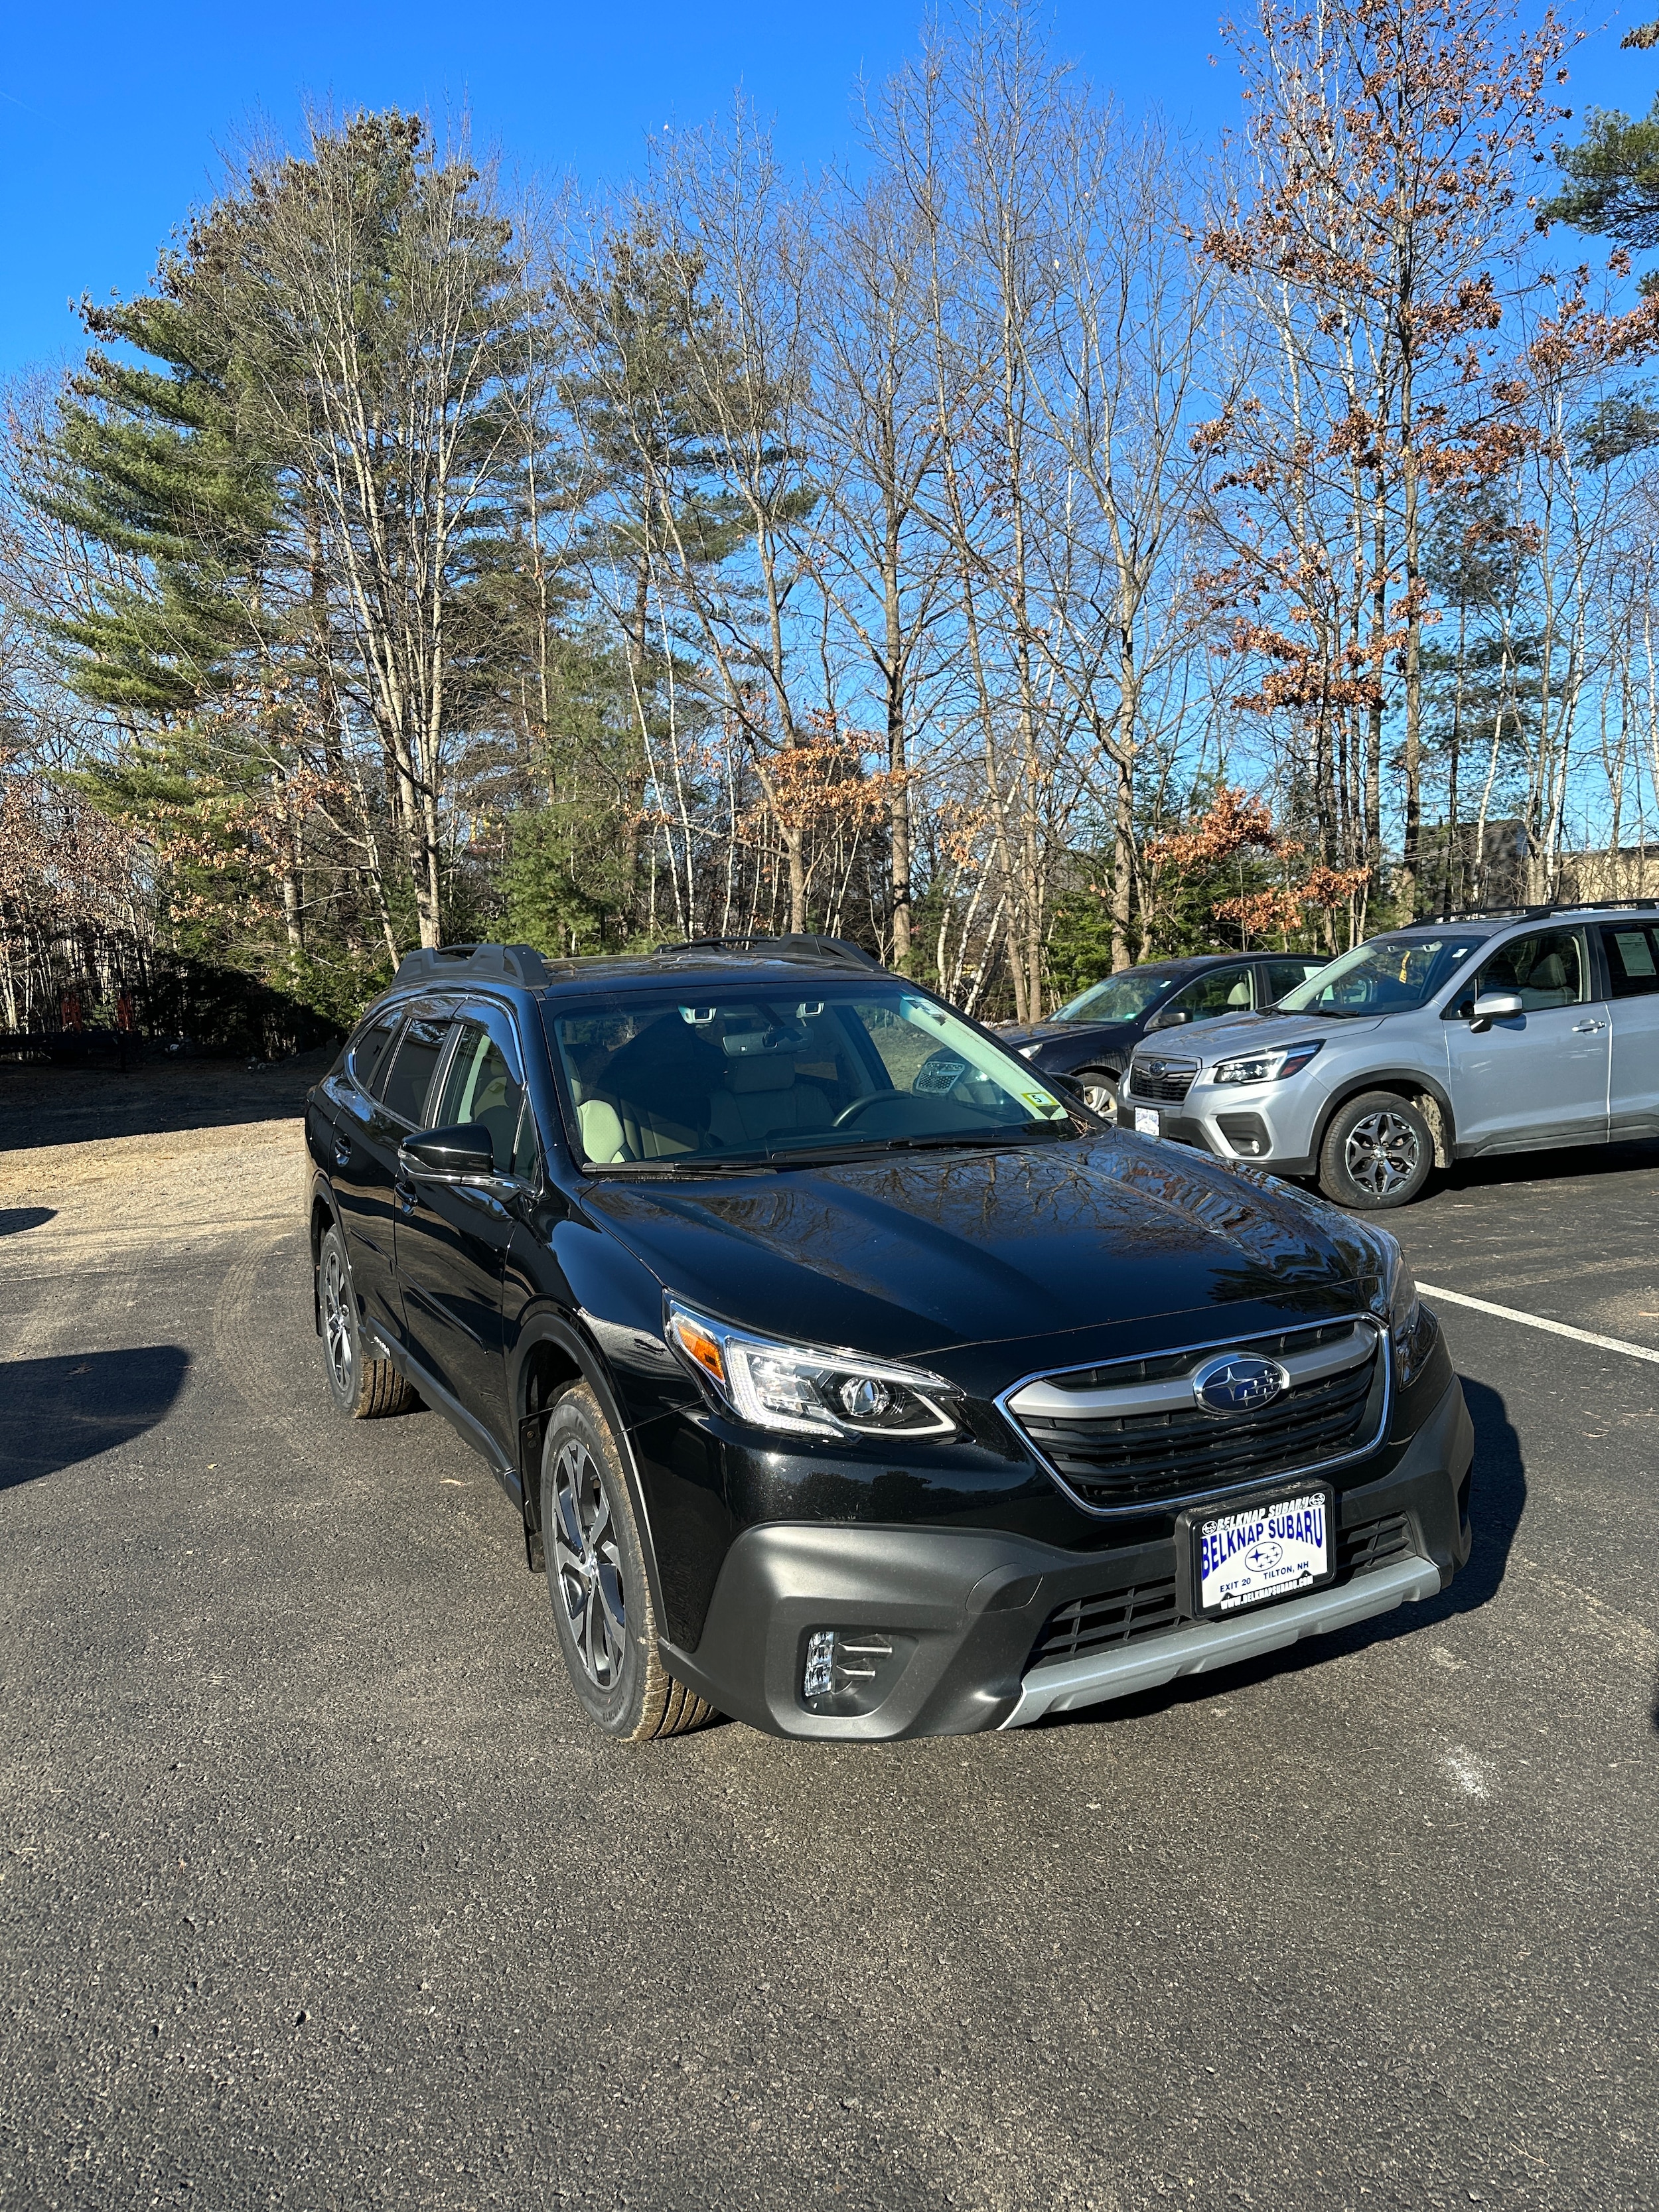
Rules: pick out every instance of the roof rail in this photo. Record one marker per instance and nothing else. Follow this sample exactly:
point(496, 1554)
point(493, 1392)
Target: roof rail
point(793, 941)
point(1557, 906)
point(466, 963)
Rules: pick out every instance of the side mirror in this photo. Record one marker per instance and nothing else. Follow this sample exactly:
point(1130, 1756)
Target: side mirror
point(460, 1154)
point(1495, 1006)
point(1170, 1018)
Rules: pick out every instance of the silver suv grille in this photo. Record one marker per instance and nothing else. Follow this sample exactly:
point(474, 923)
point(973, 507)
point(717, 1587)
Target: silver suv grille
point(1132, 1437)
point(1161, 1081)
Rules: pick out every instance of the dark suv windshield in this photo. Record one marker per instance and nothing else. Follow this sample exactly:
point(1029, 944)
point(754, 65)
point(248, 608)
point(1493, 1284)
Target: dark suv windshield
point(718, 1075)
point(1120, 998)
point(1386, 975)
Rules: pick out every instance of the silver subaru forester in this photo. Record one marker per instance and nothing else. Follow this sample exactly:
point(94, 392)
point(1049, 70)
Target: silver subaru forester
point(1488, 1033)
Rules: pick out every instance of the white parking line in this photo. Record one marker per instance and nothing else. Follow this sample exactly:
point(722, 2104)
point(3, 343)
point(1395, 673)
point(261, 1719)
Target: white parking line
point(1537, 1321)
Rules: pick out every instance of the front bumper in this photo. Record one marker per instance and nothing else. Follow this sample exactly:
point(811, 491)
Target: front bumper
point(1268, 1125)
point(964, 1609)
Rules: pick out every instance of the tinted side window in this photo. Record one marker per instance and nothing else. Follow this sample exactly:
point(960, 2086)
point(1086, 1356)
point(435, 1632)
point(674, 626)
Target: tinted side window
point(365, 1053)
point(1546, 968)
point(1218, 991)
point(412, 1070)
point(1633, 967)
point(1282, 975)
point(482, 1087)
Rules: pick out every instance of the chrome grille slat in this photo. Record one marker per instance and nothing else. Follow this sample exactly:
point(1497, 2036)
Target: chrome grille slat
point(1172, 1451)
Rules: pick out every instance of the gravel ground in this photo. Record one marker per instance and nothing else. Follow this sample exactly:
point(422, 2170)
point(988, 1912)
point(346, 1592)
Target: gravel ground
point(317, 1891)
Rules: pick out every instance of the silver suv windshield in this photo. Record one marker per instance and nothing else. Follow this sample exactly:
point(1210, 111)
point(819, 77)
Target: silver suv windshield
point(1385, 975)
point(714, 1075)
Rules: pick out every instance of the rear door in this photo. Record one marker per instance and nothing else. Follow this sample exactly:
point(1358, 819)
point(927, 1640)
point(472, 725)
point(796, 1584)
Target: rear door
point(1538, 1078)
point(1632, 952)
point(452, 1240)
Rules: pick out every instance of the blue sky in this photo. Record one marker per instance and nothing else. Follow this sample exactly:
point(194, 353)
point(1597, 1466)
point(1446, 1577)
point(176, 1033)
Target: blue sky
point(112, 117)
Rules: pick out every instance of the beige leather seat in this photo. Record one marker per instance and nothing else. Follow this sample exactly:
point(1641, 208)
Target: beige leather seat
point(760, 1096)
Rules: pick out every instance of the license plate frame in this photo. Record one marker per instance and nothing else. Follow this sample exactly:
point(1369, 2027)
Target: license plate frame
point(1269, 1588)
point(1147, 1122)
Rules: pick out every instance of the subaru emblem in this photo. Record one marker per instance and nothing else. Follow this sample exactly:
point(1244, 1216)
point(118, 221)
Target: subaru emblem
point(1238, 1382)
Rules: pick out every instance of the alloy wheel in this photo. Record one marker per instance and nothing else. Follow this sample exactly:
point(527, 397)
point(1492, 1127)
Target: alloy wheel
point(337, 1320)
point(1382, 1154)
point(587, 1565)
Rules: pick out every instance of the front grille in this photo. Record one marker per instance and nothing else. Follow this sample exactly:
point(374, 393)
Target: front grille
point(1092, 1624)
point(1118, 1463)
point(1167, 1087)
point(1095, 1624)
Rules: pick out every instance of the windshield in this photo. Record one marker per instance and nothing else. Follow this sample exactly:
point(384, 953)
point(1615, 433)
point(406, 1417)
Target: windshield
point(1120, 998)
point(769, 1074)
point(1388, 975)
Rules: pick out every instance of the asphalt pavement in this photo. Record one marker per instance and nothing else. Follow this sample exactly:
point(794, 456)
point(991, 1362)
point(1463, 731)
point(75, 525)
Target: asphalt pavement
point(317, 1890)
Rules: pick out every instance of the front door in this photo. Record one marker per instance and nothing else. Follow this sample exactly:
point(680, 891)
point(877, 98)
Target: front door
point(1631, 949)
point(400, 1108)
point(1538, 1078)
point(452, 1240)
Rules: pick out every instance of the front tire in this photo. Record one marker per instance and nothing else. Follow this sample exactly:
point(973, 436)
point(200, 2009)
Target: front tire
point(363, 1389)
point(1377, 1152)
point(596, 1579)
point(1099, 1089)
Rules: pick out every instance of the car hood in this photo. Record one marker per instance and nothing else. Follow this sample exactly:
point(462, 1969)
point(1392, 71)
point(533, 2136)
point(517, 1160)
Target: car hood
point(1086, 1035)
point(1109, 1238)
point(1221, 1040)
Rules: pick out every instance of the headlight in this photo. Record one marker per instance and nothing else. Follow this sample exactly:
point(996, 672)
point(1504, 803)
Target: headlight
point(1267, 1066)
point(807, 1392)
point(1412, 1327)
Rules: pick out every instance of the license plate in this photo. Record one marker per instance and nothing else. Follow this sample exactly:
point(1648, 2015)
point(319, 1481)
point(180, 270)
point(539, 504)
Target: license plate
point(1145, 1121)
point(1260, 1551)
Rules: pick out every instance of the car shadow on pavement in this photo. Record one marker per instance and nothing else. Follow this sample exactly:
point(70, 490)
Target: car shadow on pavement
point(56, 1413)
point(1561, 1166)
point(1496, 1500)
point(16, 1218)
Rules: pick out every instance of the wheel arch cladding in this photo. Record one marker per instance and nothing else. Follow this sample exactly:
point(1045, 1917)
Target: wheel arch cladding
point(554, 1362)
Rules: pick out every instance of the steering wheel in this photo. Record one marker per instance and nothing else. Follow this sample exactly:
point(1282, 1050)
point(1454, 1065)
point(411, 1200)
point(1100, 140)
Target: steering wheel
point(860, 1107)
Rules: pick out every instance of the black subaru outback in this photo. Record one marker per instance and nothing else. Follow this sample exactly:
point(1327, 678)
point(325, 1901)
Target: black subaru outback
point(850, 1379)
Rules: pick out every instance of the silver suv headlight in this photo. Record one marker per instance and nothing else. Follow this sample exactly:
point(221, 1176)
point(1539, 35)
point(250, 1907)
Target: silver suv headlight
point(805, 1391)
point(1272, 1066)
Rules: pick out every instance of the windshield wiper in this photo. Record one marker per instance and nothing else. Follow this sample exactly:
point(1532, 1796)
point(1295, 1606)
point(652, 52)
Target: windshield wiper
point(668, 1169)
point(1017, 1133)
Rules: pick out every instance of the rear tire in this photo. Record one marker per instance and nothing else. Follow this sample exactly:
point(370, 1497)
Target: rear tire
point(596, 1580)
point(365, 1390)
point(1378, 1151)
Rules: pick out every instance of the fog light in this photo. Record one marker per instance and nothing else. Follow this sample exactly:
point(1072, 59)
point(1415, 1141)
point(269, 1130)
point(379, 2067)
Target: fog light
point(846, 1664)
point(820, 1675)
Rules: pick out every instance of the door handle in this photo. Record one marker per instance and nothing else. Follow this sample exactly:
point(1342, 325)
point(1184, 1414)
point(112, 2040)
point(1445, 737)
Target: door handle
point(1584, 1029)
point(342, 1149)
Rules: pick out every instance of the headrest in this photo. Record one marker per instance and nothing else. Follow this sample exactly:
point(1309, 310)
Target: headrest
point(772, 1071)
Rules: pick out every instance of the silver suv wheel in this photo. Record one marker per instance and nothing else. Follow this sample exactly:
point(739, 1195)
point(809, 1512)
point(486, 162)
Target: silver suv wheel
point(1378, 1151)
point(1381, 1153)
